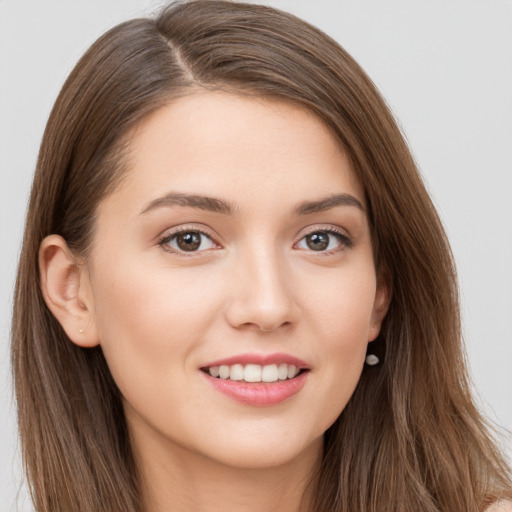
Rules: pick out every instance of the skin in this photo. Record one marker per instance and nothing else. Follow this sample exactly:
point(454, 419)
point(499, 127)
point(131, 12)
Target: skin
point(254, 285)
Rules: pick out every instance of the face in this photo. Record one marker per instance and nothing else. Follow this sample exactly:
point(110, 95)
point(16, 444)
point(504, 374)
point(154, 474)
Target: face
point(237, 244)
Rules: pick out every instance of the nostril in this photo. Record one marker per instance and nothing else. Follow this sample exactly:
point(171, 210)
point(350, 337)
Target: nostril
point(272, 328)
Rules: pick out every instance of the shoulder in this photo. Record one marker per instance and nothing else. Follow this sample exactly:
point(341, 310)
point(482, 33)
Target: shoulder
point(502, 506)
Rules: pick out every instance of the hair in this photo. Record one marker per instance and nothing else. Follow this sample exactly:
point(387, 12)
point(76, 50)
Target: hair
point(410, 437)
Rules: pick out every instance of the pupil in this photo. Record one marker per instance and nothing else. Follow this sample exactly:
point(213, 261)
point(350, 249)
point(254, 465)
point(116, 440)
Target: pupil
point(317, 241)
point(189, 241)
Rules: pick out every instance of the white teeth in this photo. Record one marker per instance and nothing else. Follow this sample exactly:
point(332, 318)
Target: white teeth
point(255, 372)
point(292, 371)
point(224, 372)
point(282, 373)
point(252, 373)
point(269, 373)
point(237, 372)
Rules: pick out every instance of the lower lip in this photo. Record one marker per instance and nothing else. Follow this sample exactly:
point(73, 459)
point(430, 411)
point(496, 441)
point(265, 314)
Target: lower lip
point(259, 394)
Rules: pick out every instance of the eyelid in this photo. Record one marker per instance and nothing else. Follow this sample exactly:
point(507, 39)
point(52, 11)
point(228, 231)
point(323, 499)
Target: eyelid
point(345, 238)
point(169, 234)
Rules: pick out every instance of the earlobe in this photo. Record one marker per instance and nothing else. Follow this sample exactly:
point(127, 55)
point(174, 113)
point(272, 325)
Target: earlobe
point(64, 285)
point(380, 304)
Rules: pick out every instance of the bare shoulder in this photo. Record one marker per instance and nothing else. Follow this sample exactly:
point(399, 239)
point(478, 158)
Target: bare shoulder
point(502, 506)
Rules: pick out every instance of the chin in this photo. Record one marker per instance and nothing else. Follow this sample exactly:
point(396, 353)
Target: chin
point(252, 451)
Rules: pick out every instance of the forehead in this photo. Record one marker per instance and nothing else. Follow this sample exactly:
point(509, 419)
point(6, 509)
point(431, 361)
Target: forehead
point(221, 144)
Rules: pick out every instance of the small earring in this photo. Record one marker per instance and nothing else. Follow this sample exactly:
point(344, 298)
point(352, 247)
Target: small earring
point(372, 360)
point(80, 330)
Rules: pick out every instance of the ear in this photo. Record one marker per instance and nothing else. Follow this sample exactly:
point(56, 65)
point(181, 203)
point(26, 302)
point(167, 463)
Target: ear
point(380, 304)
point(66, 291)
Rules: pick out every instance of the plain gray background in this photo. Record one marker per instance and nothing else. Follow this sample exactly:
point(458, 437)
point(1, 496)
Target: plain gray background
point(444, 66)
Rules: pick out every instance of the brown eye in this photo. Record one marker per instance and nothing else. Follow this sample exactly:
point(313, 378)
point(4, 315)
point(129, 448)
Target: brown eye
point(317, 241)
point(324, 240)
point(188, 241)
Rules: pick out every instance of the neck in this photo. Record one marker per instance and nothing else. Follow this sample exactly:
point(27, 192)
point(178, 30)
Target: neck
point(174, 479)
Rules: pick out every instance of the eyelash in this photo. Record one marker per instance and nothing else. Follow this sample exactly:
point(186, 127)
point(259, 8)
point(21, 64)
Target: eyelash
point(346, 241)
point(164, 241)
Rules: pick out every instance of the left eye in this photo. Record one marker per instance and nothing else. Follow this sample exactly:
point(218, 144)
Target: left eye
point(189, 241)
point(321, 241)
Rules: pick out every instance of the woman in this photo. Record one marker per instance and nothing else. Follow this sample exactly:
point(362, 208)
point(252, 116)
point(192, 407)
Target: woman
point(234, 291)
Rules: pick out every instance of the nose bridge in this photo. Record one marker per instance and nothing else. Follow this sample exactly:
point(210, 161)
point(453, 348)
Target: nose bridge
point(262, 293)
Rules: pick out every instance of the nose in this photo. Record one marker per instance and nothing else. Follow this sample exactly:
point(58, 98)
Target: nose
point(262, 293)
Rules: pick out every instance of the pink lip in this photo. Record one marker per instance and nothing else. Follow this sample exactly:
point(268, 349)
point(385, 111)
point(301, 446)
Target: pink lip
point(259, 394)
point(261, 359)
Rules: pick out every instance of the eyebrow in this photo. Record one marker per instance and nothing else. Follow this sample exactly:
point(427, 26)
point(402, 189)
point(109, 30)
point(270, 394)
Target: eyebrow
point(210, 204)
point(326, 203)
point(216, 205)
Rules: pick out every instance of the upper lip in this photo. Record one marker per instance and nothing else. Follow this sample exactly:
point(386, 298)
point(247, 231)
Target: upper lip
point(261, 359)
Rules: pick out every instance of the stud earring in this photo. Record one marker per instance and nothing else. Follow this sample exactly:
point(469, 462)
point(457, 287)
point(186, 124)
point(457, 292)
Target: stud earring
point(372, 360)
point(80, 330)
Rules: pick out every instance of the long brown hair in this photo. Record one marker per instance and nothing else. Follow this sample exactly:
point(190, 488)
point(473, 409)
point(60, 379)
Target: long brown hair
point(410, 438)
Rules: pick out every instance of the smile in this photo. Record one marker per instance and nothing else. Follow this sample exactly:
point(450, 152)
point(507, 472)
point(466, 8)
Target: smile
point(254, 372)
point(258, 380)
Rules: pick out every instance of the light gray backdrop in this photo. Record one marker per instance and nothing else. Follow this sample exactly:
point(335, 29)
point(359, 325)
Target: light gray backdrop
point(445, 67)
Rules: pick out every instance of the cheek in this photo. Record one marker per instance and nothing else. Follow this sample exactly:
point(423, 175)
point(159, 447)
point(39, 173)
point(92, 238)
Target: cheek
point(340, 315)
point(149, 319)
point(341, 307)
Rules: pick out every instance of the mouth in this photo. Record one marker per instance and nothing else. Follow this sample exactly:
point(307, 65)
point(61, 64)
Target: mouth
point(254, 373)
point(256, 379)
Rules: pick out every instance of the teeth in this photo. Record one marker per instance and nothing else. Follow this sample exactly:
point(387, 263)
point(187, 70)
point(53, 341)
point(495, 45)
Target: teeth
point(255, 372)
point(292, 371)
point(252, 373)
point(282, 372)
point(224, 372)
point(269, 373)
point(236, 372)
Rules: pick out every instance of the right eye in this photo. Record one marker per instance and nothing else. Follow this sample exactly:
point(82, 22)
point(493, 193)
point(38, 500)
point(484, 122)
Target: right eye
point(188, 241)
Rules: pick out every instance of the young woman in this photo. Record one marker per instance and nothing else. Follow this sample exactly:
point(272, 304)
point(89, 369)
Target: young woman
point(234, 292)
